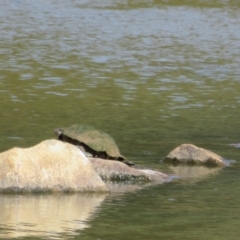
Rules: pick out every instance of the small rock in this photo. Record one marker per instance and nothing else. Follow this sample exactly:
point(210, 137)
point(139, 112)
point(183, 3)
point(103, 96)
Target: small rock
point(188, 153)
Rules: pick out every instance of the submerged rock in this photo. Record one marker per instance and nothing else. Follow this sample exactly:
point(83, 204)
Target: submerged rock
point(115, 170)
point(188, 153)
point(49, 166)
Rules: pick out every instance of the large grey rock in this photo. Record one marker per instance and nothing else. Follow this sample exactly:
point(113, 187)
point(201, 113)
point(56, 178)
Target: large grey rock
point(188, 153)
point(50, 165)
point(115, 170)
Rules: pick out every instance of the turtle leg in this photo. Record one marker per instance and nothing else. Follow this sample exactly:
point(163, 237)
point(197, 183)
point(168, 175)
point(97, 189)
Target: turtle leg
point(102, 155)
point(87, 154)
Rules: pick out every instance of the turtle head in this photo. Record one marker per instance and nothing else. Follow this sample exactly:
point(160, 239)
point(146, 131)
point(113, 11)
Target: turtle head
point(58, 131)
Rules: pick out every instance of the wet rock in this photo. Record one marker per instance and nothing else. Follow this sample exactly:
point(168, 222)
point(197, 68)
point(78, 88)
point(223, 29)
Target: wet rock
point(115, 170)
point(49, 166)
point(188, 153)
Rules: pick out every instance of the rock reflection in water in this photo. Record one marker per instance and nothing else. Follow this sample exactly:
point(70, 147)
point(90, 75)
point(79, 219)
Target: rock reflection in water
point(193, 174)
point(48, 216)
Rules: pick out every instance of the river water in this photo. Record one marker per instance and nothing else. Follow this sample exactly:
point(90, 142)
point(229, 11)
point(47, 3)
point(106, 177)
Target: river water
point(152, 74)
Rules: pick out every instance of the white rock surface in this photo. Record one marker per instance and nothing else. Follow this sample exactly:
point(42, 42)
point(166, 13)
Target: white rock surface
point(49, 166)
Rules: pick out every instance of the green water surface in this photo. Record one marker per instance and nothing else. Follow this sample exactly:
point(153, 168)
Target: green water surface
point(152, 74)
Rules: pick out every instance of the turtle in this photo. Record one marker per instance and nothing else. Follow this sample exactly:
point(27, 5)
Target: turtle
point(92, 142)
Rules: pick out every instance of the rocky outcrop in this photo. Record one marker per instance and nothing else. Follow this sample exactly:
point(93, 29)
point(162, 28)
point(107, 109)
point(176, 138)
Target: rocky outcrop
point(49, 166)
point(115, 170)
point(53, 165)
point(188, 153)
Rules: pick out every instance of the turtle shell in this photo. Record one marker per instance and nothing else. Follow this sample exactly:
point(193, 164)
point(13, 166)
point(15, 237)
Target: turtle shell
point(98, 140)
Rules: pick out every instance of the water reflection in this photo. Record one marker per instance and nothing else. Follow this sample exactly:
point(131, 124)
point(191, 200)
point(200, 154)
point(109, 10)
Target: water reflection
point(193, 174)
point(48, 216)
